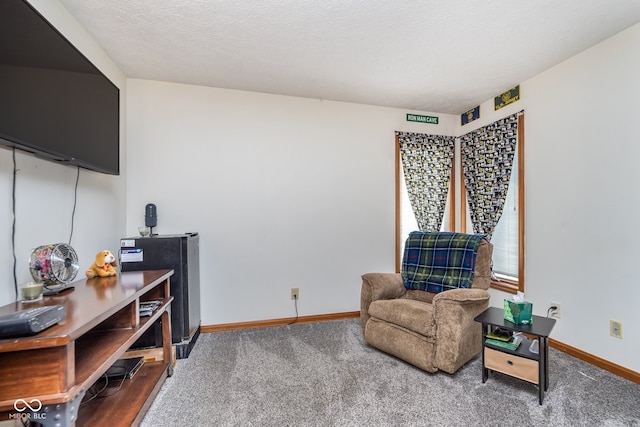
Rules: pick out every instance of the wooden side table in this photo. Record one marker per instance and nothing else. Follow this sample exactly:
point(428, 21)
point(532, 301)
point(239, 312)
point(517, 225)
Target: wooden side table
point(519, 363)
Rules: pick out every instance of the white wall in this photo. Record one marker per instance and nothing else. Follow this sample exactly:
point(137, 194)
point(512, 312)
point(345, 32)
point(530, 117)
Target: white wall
point(45, 190)
point(581, 206)
point(285, 192)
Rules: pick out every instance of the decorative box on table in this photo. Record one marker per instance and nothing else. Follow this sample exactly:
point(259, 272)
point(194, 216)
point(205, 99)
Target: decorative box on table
point(520, 313)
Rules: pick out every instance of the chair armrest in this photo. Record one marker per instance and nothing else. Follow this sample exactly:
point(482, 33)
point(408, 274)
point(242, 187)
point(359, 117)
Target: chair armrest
point(465, 296)
point(377, 286)
point(458, 336)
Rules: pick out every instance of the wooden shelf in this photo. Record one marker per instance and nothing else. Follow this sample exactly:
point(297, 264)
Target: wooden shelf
point(127, 405)
point(522, 350)
point(97, 350)
point(58, 365)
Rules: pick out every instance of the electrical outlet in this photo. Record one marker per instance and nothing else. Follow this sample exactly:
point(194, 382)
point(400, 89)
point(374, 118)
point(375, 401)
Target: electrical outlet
point(556, 313)
point(295, 293)
point(615, 328)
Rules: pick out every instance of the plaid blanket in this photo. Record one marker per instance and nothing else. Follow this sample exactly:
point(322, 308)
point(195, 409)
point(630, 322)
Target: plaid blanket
point(439, 261)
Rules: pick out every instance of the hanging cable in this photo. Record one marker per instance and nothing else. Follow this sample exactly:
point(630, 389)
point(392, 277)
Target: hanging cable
point(296, 318)
point(75, 201)
point(13, 227)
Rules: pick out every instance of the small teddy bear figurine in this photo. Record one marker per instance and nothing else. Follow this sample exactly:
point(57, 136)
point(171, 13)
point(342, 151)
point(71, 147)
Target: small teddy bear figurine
point(103, 267)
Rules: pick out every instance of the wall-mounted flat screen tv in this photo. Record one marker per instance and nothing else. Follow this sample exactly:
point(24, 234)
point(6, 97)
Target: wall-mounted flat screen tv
point(53, 101)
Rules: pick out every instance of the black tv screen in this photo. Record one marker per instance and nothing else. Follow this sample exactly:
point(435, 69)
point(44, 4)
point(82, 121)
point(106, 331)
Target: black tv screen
point(53, 101)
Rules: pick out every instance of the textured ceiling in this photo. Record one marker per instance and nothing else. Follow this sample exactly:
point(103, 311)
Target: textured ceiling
point(443, 56)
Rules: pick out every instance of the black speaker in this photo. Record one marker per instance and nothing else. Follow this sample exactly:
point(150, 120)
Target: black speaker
point(150, 215)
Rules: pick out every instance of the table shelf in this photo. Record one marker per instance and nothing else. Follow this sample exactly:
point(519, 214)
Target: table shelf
point(522, 350)
point(127, 405)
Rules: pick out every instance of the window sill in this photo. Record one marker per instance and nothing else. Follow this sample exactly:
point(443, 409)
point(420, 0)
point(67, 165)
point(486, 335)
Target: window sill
point(508, 286)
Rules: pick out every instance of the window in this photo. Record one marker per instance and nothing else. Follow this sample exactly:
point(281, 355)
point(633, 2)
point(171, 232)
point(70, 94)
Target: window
point(508, 237)
point(505, 236)
point(405, 219)
point(408, 221)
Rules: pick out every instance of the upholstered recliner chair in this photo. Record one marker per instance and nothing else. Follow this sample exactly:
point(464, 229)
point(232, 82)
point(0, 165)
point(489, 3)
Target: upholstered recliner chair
point(425, 323)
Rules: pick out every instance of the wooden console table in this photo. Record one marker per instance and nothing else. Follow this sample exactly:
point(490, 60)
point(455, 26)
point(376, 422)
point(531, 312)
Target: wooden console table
point(55, 368)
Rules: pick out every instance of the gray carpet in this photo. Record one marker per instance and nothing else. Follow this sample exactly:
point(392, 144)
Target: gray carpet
point(324, 374)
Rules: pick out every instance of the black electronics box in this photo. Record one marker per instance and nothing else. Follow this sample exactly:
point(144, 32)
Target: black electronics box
point(180, 253)
point(124, 368)
point(30, 321)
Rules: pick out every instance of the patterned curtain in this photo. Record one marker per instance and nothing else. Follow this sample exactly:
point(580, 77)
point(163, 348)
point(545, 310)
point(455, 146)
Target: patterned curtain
point(487, 160)
point(426, 162)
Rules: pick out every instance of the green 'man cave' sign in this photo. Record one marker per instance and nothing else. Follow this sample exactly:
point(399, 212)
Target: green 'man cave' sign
point(422, 119)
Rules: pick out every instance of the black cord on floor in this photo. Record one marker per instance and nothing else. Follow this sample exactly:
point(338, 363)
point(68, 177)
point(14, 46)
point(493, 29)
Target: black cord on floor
point(92, 393)
point(24, 420)
point(13, 227)
point(75, 202)
point(122, 380)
